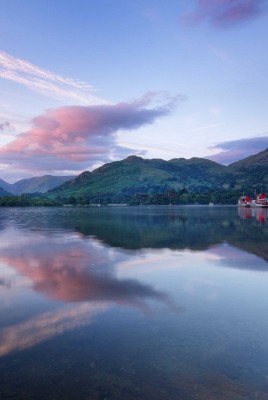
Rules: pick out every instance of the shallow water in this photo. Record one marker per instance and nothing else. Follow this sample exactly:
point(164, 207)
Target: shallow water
point(134, 303)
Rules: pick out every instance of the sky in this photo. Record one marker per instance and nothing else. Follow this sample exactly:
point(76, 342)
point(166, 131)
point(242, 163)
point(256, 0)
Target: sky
point(84, 83)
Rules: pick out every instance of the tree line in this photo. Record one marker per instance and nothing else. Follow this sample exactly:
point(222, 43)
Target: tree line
point(180, 197)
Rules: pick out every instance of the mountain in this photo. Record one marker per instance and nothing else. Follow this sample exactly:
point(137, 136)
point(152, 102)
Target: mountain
point(3, 192)
point(260, 159)
point(6, 186)
point(39, 184)
point(120, 179)
point(252, 171)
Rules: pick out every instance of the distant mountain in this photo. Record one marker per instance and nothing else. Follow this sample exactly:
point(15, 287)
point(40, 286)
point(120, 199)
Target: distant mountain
point(3, 192)
point(6, 186)
point(39, 184)
point(116, 180)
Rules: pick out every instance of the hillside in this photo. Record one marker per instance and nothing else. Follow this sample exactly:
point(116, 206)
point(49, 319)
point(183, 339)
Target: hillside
point(137, 175)
point(6, 186)
point(3, 192)
point(252, 171)
point(39, 184)
point(260, 159)
point(116, 181)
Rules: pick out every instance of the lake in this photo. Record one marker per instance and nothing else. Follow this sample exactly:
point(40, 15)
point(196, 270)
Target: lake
point(154, 303)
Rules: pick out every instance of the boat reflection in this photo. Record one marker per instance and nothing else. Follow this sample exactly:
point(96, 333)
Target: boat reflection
point(82, 263)
point(259, 214)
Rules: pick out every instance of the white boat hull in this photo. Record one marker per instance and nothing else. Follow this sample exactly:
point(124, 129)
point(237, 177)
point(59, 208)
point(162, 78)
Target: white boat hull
point(256, 205)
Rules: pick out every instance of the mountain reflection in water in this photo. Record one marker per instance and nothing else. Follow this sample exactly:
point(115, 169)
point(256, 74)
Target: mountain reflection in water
point(145, 302)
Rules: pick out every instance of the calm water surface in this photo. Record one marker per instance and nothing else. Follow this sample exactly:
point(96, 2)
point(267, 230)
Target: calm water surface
point(134, 303)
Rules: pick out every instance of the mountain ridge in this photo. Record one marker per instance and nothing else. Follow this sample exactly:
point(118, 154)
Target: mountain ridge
point(118, 180)
point(3, 192)
point(40, 184)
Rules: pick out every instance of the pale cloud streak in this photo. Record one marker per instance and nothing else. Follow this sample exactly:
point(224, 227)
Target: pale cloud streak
point(46, 82)
point(46, 326)
point(204, 128)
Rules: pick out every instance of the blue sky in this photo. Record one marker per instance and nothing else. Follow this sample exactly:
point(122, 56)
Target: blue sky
point(87, 82)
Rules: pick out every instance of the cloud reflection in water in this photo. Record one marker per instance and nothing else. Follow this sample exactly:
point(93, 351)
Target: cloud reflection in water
point(69, 270)
point(72, 270)
point(29, 333)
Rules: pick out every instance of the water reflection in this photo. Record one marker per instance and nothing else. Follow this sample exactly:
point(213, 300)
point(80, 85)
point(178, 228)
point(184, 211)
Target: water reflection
point(90, 303)
point(231, 257)
point(258, 214)
point(28, 333)
point(136, 228)
point(196, 228)
point(72, 270)
point(65, 268)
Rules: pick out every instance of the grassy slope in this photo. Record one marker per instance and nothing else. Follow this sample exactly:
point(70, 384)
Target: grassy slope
point(135, 174)
point(138, 175)
point(252, 171)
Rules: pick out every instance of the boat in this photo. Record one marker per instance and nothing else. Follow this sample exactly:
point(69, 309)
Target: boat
point(244, 201)
point(211, 204)
point(260, 201)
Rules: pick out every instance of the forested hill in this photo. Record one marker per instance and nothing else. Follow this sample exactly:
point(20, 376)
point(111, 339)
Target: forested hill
point(251, 172)
point(120, 180)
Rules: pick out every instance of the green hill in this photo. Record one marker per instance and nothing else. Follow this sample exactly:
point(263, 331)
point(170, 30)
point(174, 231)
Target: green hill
point(252, 172)
point(133, 175)
point(119, 181)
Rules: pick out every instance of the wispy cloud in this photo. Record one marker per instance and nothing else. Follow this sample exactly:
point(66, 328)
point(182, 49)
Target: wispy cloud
point(225, 13)
point(235, 150)
point(6, 126)
point(46, 82)
point(204, 128)
point(142, 148)
point(76, 137)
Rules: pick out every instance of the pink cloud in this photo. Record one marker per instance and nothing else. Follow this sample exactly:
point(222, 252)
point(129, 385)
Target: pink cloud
point(222, 13)
point(76, 137)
